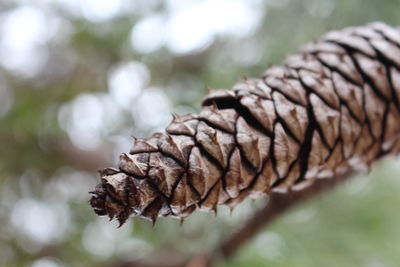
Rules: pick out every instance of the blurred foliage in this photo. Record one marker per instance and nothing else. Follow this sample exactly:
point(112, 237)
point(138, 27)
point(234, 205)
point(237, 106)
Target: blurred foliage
point(77, 78)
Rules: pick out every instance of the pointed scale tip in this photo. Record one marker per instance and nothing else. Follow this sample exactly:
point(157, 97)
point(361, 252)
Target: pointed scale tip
point(120, 222)
point(153, 222)
point(174, 116)
point(231, 210)
point(214, 210)
point(214, 106)
point(210, 90)
point(123, 217)
point(134, 139)
point(107, 171)
point(182, 220)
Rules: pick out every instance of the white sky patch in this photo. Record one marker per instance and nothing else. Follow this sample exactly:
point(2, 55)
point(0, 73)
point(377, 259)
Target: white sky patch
point(100, 10)
point(27, 63)
point(24, 27)
point(72, 7)
point(101, 237)
point(126, 81)
point(152, 110)
point(96, 11)
point(193, 27)
point(112, 114)
point(39, 221)
point(46, 262)
point(239, 19)
point(148, 34)
point(188, 32)
point(24, 32)
point(82, 120)
point(89, 118)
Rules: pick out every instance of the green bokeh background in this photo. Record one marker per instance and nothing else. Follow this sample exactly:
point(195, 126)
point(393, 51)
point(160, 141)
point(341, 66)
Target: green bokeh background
point(46, 169)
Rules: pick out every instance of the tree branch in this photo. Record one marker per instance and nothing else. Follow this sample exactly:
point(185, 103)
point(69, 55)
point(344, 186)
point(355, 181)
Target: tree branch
point(277, 205)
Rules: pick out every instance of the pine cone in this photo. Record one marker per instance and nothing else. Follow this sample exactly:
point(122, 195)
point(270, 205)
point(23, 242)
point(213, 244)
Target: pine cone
point(331, 109)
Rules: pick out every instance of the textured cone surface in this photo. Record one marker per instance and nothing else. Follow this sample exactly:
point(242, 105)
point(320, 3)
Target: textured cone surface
point(331, 109)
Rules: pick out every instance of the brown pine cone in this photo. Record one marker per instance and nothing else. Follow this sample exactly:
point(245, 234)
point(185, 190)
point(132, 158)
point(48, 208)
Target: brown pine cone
point(331, 109)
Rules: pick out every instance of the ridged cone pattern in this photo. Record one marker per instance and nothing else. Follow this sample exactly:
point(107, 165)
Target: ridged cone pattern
point(331, 109)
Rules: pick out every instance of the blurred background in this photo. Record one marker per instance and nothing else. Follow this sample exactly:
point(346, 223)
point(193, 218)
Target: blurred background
point(78, 78)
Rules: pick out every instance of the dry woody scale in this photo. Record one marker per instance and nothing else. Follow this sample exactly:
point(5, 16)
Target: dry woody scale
point(331, 109)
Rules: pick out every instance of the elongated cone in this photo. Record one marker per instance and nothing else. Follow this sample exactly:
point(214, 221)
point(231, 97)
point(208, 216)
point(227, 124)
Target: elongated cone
point(331, 109)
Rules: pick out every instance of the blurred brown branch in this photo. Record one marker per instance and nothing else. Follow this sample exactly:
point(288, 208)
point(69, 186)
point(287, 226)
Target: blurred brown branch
point(277, 205)
point(165, 259)
point(81, 159)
